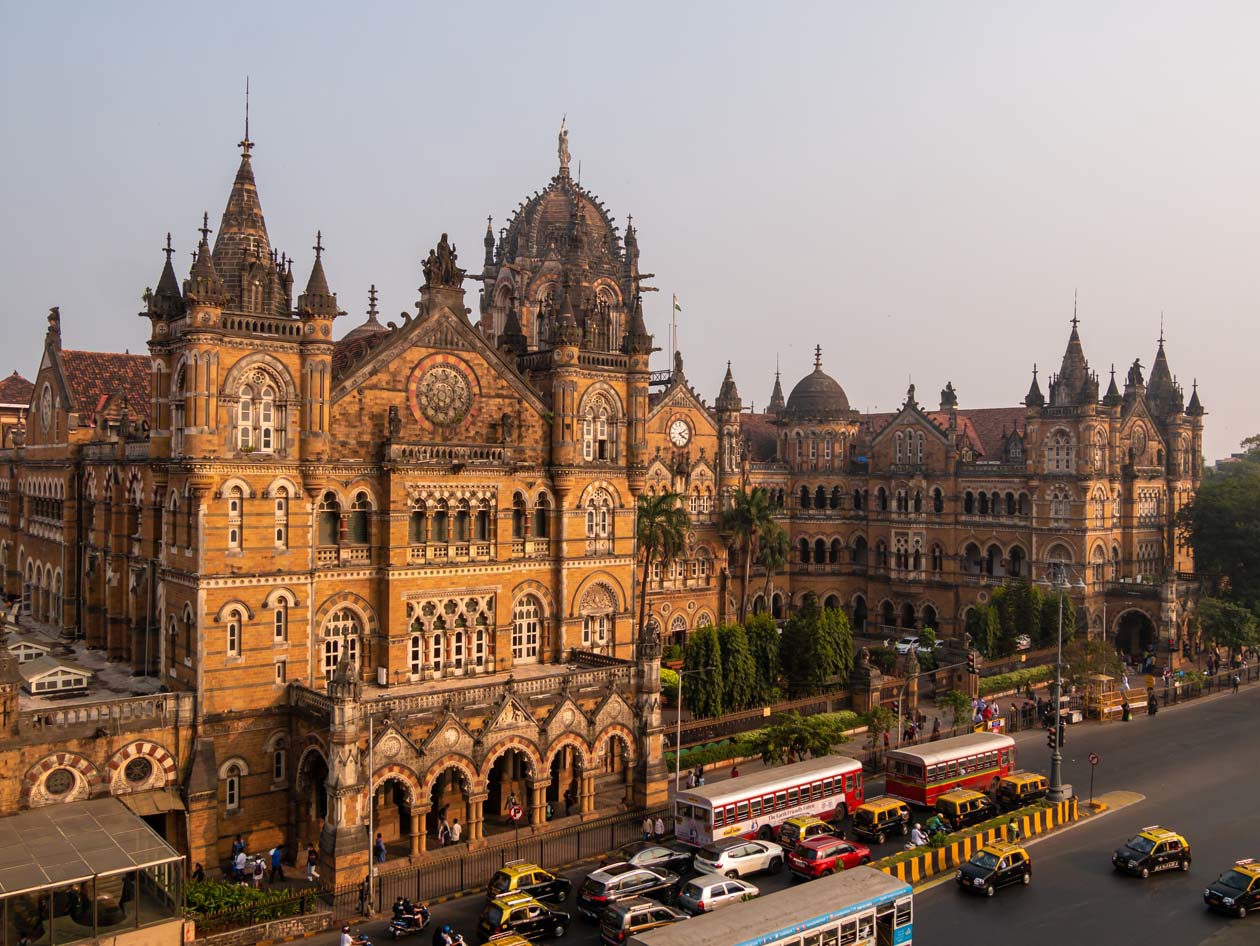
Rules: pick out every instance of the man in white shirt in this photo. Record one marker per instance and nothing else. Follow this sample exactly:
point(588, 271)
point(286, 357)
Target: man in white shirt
point(456, 830)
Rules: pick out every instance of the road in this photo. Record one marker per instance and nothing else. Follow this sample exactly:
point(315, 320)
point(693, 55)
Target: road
point(1196, 765)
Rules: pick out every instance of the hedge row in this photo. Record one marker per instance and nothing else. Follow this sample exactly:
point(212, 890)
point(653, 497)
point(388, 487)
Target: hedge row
point(745, 744)
point(1016, 679)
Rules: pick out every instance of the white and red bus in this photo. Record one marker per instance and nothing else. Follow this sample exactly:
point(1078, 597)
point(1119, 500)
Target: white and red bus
point(918, 774)
point(754, 805)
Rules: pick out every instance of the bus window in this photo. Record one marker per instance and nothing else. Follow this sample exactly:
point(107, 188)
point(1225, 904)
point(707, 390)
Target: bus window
point(866, 925)
point(810, 939)
point(730, 814)
point(719, 819)
point(780, 801)
point(791, 798)
point(848, 932)
point(767, 804)
point(931, 773)
point(828, 788)
point(756, 807)
point(848, 783)
point(815, 791)
point(830, 936)
point(683, 810)
point(904, 912)
point(741, 811)
point(952, 770)
point(916, 773)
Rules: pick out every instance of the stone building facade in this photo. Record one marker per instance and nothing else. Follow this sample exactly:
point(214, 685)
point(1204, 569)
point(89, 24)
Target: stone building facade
point(392, 575)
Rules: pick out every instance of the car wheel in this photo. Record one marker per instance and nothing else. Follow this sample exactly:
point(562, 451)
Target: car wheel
point(1146, 873)
point(559, 931)
point(865, 860)
point(776, 865)
point(1027, 879)
point(826, 873)
point(734, 874)
point(990, 890)
point(1185, 865)
point(881, 837)
point(905, 829)
point(1241, 912)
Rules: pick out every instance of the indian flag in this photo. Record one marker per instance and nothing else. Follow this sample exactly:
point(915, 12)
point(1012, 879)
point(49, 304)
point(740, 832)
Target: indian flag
point(677, 307)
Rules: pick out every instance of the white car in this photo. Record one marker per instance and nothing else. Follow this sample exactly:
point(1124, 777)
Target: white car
point(907, 644)
point(736, 857)
point(707, 892)
point(926, 648)
point(1023, 642)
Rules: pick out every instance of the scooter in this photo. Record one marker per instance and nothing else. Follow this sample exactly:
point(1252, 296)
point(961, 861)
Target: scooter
point(407, 924)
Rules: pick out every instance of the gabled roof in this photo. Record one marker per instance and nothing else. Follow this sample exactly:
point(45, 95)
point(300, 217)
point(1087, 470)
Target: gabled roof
point(981, 427)
point(16, 390)
point(97, 379)
point(42, 666)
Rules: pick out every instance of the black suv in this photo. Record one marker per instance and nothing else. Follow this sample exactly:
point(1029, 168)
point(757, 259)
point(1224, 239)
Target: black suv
point(668, 855)
point(630, 917)
point(615, 882)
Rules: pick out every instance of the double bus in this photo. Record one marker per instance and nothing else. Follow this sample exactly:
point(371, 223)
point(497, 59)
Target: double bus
point(754, 805)
point(858, 907)
point(918, 774)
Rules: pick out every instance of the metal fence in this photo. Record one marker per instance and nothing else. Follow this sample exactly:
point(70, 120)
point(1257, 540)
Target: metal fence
point(459, 869)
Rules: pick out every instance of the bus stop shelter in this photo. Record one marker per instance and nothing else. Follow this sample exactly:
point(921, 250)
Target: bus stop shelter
point(82, 871)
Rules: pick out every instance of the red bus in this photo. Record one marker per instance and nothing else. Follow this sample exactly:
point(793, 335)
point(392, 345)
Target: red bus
point(754, 805)
point(918, 774)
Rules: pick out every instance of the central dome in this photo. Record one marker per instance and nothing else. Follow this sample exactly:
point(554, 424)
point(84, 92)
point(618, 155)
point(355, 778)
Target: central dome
point(817, 396)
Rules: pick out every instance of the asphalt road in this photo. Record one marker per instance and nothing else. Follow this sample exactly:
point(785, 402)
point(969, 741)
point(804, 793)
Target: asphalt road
point(1198, 767)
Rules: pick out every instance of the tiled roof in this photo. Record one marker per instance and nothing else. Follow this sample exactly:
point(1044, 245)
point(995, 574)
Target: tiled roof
point(98, 379)
point(16, 390)
point(761, 434)
point(982, 427)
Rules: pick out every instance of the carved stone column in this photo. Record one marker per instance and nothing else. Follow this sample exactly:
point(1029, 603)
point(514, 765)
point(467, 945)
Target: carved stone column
point(476, 817)
point(538, 801)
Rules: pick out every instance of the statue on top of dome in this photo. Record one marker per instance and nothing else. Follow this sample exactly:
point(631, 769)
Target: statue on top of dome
point(562, 146)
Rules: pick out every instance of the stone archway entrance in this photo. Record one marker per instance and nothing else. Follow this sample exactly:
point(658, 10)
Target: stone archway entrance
point(508, 784)
point(449, 800)
point(1136, 635)
point(392, 806)
point(312, 797)
point(614, 775)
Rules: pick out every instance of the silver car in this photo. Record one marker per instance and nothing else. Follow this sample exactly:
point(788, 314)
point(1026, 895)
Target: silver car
point(736, 857)
point(709, 891)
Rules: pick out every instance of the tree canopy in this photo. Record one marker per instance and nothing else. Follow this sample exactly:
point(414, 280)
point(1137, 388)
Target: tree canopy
point(793, 737)
point(817, 646)
point(739, 673)
point(1222, 523)
point(702, 687)
point(660, 526)
point(763, 644)
point(1226, 624)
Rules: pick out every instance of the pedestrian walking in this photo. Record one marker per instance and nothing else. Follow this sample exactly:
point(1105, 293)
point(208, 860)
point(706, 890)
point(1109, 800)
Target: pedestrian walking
point(734, 771)
point(1152, 705)
point(365, 895)
point(457, 830)
point(570, 799)
point(936, 728)
point(312, 864)
point(378, 848)
point(444, 834)
point(700, 779)
point(1124, 682)
point(1012, 830)
point(1126, 713)
point(647, 827)
point(887, 741)
point(259, 873)
point(1233, 682)
point(277, 866)
point(660, 828)
point(691, 779)
point(239, 865)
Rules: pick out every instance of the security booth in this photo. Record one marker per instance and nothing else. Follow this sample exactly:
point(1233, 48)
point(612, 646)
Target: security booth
point(82, 871)
point(1105, 697)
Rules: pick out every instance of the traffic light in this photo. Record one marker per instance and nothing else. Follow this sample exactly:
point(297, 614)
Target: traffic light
point(1062, 734)
point(971, 663)
point(1052, 740)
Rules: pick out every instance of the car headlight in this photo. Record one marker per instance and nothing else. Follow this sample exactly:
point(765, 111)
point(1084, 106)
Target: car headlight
point(1133, 863)
point(979, 881)
point(1228, 901)
point(959, 875)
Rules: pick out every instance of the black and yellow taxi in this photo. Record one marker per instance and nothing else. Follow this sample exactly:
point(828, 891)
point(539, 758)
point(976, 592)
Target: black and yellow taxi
point(993, 866)
point(795, 830)
point(1021, 788)
point(1152, 850)
point(962, 808)
point(523, 915)
point(1237, 890)
point(880, 818)
point(523, 877)
point(508, 939)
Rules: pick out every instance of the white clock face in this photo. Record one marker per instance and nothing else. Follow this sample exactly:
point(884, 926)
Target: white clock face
point(679, 433)
point(45, 408)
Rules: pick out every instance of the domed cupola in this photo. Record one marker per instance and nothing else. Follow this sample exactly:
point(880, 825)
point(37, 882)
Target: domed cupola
point(817, 396)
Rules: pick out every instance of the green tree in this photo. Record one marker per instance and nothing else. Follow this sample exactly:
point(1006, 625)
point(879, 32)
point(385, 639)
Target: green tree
point(1048, 629)
point(1026, 610)
point(958, 704)
point(660, 526)
point(747, 518)
point(793, 737)
point(1226, 624)
point(1002, 603)
point(984, 627)
point(817, 647)
point(1222, 523)
point(702, 687)
point(739, 673)
point(928, 637)
point(763, 644)
point(834, 649)
point(1084, 658)
point(879, 721)
point(669, 684)
point(772, 552)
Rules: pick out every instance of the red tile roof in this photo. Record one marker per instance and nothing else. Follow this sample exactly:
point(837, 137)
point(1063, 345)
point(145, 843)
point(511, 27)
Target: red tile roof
point(101, 379)
point(761, 434)
point(16, 390)
point(982, 426)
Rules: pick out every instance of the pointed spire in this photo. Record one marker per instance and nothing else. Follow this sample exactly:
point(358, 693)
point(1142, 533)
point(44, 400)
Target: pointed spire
point(372, 326)
point(637, 340)
point(728, 397)
point(489, 242)
point(318, 299)
point(1072, 385)
point(1034, 398)
point(204, 284)
point(568, 332)
point(777, 402)
point(1195, 408)
point(245, 144)
point(1112, 397)
point(167, 302)
point(242, 249)
point(513, 337)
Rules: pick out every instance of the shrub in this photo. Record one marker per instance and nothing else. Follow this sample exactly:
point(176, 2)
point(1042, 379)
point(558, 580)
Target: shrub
point(669, 684)
point(1016, 679)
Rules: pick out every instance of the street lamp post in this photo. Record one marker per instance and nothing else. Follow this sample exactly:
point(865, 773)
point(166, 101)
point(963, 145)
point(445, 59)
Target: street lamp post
point(1057, 791)
point(682, 675)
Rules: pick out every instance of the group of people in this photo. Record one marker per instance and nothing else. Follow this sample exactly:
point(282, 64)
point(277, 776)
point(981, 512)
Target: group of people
point(246, 870)
point(983, 711)
point(653, 829)
point(695, 778)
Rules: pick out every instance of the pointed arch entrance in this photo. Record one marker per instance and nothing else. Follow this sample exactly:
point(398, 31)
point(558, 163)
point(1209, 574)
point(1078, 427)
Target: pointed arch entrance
point(1136, 634)
point(312, 796)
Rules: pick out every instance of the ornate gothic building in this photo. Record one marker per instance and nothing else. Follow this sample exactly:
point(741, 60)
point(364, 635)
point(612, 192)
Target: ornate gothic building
point(318, 581)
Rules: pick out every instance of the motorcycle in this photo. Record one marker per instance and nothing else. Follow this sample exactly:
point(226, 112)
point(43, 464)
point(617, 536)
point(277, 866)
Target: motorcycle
point(407, 924)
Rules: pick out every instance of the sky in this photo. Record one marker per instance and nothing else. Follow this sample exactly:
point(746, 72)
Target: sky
point(920, 188)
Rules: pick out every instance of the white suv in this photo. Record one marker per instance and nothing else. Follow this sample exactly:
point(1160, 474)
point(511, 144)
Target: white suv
point(736, 857)
point(907, 644)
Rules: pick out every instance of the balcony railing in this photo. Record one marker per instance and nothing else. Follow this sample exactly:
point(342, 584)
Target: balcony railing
point(449, 453)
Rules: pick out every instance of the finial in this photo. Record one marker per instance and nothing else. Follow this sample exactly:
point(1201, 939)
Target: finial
point(776, 366)
point(319, 244)
point(489, 221)
point(372, 303)
point(1075, 320)
point(168, 251)
point(1034, 371)
point(818, 358)
point(1161, 328)
point(629, 221)
point(1113, 371)
point(245, 144)
point(205, 226)
point(1194, 385)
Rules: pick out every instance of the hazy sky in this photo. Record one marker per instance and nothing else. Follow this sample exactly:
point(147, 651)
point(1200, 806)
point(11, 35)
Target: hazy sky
point(917, 187)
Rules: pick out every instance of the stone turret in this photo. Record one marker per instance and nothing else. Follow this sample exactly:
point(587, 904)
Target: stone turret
point(343, 844)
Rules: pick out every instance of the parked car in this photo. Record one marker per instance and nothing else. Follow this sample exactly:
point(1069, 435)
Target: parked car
point(630, 917)
point(669, 855)
point(907, 644)
point(925, 648)
point(707, 892)
point(823, 855)
point(962, 808)
point(615, 882)
point(523, 877)
point(1023, 642)
point(736, 857)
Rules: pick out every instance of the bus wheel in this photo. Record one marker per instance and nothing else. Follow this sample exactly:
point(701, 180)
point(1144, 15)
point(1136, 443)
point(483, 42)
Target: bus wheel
point(765, 833)
point(842, 812)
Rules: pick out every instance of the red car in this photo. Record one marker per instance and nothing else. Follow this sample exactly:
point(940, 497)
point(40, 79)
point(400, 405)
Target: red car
point(826, 854)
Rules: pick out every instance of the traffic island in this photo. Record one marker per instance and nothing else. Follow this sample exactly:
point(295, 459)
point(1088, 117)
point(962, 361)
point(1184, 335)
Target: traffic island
point(925, 862)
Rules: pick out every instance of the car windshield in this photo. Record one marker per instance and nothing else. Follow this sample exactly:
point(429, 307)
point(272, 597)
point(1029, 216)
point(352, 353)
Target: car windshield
point(694, 891)
point(500, 883)
point(1141, 845)
point(810, 853)
point(1234, 880)
point(985, 860)
point(710, 853)
point(596, 887)
point(494, 915)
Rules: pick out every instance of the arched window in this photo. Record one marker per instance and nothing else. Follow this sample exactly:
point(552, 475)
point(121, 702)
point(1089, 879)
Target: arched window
point(236, 503)
point(358, 525)
point(232, 787)
point(857, 500)
point(526, 625)
point(440, 528)
point(417, 526)
point(280, 621)
point(1010, 504)
point(479, 647)
point(279, 760)
point(1059, 452)
point(984, 504)
point(245, 418)
point(599, 522)
point(435, 649)
point(1100, 450)
point(881, 499)
point(900, 448)
point(881, 554)
point(596, 443)
point(260, 416)
point(267, 419)
point(918, 448)
point(820, 498)
point(415, 651)
point(457, 650)
point(938, 500)
point(918, 500)
point(969, 503)
point(833, 554)
point(836, 494)
point(519, 516)
point(234, 622)
point(805, 497)
point(804, 551)
point(282, 516)
point(595, 630)
point(542, 517)
point(1060, 504)
point(1017, 561)
point(1100, 509)
point(342, 632)
point(820, 551)
point(938, 558)
point(1099, 562)
point(329, 513)
point(859, 551)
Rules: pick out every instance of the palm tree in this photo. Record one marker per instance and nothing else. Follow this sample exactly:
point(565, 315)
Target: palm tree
point(661, 532)
point(773, 552)
point(747, 519)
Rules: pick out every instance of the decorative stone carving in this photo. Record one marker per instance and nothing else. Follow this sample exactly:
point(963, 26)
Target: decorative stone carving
point(443, 395)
